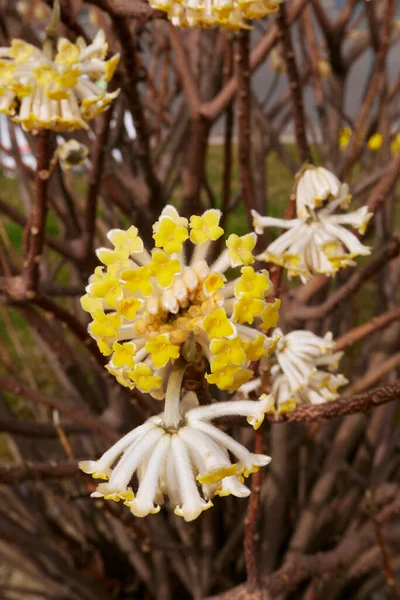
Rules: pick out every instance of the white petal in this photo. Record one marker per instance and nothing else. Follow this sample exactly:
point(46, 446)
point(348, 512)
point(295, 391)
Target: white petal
point(132, 458)
point(192, 503)
point(143, 504)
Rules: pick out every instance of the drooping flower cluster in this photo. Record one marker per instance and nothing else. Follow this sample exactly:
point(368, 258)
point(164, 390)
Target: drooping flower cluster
point(298, 370)
point(61, 93)
point(144, 306)
point(180, 463)
point(316, 241)
point(230, 14)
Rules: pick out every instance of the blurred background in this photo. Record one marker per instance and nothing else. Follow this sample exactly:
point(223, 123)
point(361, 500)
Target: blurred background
point(331, 494)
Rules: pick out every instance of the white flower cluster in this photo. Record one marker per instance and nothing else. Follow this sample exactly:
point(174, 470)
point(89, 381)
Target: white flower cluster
point(316, 241)
point(301, 370)
point(189, 464)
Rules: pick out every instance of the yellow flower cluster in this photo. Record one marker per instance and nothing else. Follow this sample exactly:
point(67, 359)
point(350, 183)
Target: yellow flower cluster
point(230, 14)
point(60, 94)
point(145, 305)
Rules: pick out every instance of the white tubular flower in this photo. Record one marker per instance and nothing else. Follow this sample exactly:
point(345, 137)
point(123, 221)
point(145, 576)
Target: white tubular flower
point(144, 306)
point(189, 464)
point(316, 241)
point(229, 14)
point(298, 371)
point(61, 94)
point(316, 186)
point(299, 377)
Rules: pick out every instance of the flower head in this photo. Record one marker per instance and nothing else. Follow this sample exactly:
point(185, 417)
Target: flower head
point(345, 134)
point(72, 153)
point(61, 94)
point(395, 144)
point(316, 241)
point(301, 370)
point(189, 465)
point(230, 14)
point(375, 142)
point(145, 306)
point(299, 375)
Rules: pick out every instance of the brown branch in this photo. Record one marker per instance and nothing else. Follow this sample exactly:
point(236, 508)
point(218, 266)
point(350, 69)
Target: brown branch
point(347, 405)
point(64, 407)
point(37, 471)
point(250, 522)
point(38, 430)
point(244, 122)
point(387, 253)
point(59, 246)
point(75, 326)
point(385, 185)
point(132, 9)
point(294, 84)
point(184, 71)
point(321, 565)
point(214, 109)
point(362, 331)
point(229, 116)
point(143, 153)
point(35, 227)
point(95, 176)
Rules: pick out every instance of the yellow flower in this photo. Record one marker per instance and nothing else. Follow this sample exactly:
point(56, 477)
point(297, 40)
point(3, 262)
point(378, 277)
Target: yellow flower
point(138, 280)
point(21, 52)
point(104, 347)
point(227, 351)
point(255, 349)
point(247, 308)
point(127, 240)
point(90, 304)
point(206, 227)
point(395, 144)
point(128, 307)
point(105, 325)
point(169, 236)
point(252, 283)
point(375, 142)
point(164, 268)
point(108, 288)
point(162, 350)
point(240, 248)
point(144, 378)
point(124, 354)
point(112, 257)
point(345, 134)
point(224, 377)
point(324, 67)
point(270, 315)
point(217, 324)
point(68, 53)
point(213, 283)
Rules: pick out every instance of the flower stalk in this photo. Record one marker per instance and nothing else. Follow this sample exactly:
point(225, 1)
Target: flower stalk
point(172, 413)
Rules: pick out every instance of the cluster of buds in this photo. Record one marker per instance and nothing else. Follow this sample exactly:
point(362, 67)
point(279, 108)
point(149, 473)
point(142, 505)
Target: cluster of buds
point(316, 241)
point(145, 305)
point(61, 93)
point(303, 370)
point(228, 14)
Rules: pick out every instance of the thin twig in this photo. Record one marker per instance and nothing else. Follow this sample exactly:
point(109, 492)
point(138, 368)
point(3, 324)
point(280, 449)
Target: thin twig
point(35, 227)
point(295, 85)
